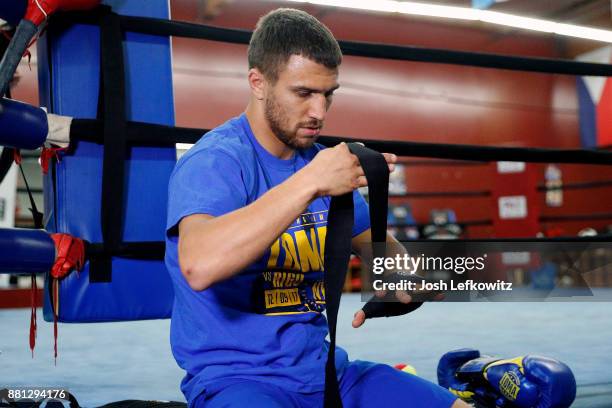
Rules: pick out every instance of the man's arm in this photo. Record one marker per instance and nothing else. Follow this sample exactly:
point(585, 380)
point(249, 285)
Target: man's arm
point(393, 247)
point(205, 242)
point(365, 239)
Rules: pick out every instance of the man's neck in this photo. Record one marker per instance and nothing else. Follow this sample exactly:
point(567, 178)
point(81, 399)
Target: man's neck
point(264, 135)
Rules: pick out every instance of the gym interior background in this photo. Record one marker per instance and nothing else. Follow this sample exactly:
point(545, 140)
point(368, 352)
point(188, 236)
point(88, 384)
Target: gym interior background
point(390, 100)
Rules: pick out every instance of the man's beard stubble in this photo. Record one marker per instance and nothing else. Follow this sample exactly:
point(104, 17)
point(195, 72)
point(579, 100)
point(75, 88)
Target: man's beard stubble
point(278, 123)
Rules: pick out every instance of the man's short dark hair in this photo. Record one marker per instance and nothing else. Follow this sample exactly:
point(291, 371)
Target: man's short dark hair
point(285, 32)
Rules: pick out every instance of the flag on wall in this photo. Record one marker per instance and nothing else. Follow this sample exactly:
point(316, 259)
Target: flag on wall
point(595, 102)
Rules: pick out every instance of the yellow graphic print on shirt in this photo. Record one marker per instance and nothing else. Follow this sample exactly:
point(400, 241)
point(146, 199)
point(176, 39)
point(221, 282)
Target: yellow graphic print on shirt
point(293, 280)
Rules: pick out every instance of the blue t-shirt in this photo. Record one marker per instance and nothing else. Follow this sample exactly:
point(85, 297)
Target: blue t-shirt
point(266, 323)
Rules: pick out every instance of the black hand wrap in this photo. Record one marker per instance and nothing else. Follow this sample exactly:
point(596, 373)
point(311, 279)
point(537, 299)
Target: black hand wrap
point(378, 308)
point(338, 250)
point(389, 305)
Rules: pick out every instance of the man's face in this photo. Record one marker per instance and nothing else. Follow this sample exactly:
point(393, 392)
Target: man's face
point(296, 105)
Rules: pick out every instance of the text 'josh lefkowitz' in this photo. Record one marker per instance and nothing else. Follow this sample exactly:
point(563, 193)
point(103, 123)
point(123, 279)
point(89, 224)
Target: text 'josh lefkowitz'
point(441, 286)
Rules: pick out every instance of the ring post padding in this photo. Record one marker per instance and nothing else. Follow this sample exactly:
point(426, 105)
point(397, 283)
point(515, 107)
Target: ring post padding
point(22, 126)
point(69, 81)
point(25, 251)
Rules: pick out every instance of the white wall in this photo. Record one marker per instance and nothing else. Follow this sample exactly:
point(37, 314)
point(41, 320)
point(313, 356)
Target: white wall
point(8, 193)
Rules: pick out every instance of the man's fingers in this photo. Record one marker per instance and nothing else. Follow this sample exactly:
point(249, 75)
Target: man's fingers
point(358, 318)
point(341, 146)
point(380, 293)
point(390, 158)
point(403, 296)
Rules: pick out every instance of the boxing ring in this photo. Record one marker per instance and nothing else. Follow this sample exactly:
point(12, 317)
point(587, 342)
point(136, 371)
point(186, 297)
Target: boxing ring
point(108, 188)
point(145, 368)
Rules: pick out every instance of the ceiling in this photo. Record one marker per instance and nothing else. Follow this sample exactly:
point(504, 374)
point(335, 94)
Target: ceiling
point(584, 12)
point(594, 13)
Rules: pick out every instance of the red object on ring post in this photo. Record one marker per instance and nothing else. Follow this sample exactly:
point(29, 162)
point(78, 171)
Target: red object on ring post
point(36, 13)
point(70, 255)
point(39, 10)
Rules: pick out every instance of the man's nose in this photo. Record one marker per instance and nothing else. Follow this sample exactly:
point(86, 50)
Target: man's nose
point(318, 107)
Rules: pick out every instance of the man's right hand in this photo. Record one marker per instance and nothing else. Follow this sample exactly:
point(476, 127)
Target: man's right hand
point(336, 171)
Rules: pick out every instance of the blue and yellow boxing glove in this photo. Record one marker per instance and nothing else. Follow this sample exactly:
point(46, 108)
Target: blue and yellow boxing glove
point(522, 382)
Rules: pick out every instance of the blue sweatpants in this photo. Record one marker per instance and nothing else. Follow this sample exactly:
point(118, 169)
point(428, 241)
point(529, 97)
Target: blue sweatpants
point(363, 384)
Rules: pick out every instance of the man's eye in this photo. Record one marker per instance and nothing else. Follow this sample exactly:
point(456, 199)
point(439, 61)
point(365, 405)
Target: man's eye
point(303, 93)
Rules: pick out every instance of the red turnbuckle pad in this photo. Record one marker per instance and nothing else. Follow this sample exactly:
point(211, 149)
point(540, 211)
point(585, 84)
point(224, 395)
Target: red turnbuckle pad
point(70, 255)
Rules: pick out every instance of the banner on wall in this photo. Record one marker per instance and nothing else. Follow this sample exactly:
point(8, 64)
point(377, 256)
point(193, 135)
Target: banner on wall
point(595, 102)
point(515, 197)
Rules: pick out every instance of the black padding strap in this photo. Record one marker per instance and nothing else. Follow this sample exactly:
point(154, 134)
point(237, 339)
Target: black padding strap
point(138, 133)
point(149, 250)
point(148, 134)
point(162, 27)
point(115, 143)
point(6, 161)
point(338, 249)
point(155, 250)
point(481, 153)
point(37, 216)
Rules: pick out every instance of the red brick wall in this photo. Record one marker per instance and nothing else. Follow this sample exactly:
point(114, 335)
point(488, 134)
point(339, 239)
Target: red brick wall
point(413, 101)
point(406, 101)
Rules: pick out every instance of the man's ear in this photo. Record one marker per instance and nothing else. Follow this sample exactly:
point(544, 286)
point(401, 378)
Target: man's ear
point(257, 82)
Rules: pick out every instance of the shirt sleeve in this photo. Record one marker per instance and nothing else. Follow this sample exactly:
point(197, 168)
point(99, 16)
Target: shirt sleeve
point(362, 214)
point(207, 182)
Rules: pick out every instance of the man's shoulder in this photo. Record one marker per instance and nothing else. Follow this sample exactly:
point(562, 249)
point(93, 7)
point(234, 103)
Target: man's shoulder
point(227, 140)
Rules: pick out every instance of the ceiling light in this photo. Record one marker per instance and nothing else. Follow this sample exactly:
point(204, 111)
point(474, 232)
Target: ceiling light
point(464, 13)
